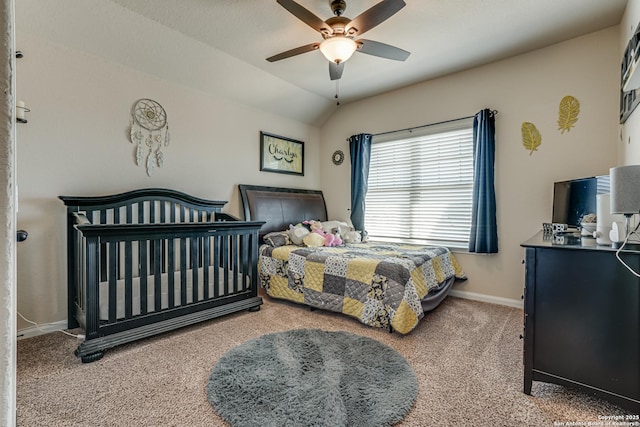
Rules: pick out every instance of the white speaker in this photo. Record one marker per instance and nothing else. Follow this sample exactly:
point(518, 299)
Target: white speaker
point(604, 219)
point(617, 233)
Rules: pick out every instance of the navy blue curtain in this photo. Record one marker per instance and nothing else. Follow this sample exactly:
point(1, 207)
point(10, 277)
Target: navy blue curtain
point(484, 229)
point(360, 151)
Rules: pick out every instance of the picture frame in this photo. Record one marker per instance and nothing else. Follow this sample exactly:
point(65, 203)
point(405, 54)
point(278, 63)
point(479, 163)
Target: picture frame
point(281, 155)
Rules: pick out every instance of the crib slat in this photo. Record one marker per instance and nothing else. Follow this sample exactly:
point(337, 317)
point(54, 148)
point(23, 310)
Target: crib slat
point(195, 261)
point(141, 213)
point(225, 263)
point(244, 260)
point(163, 213)
point(206, 241)
point(103, 250)
point(171, 268)
point(142, 261)
point(116, 220)
point(152, 247)
point(152, 212)
point(128, 280)
point(112, 302)
point(163, 219)
point(234, 262)
point(183, 271)
point(216, 266)
point(171, 257)
point(128, 269)
point(157, 276)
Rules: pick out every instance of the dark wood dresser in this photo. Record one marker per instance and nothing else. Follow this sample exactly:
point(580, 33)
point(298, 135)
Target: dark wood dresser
point(582, 318)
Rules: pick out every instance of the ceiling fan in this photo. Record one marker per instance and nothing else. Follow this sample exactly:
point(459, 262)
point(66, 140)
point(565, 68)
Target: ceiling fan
point(339, 34)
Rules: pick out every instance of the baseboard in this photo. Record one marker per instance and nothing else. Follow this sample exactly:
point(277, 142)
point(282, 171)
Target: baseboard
point(34, 331)
point(515, 303)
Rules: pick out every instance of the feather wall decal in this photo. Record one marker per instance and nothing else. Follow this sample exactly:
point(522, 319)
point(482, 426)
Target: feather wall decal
point(159, 158)
point(568, 114)
point(139, 155)
point(150, 163)
point(531, 138)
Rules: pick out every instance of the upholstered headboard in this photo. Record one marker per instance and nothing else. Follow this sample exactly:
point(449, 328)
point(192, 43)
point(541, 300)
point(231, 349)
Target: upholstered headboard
point(280, 207)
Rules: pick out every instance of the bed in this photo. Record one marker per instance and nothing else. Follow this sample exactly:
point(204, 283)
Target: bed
point(383, 285)
point(153, 260)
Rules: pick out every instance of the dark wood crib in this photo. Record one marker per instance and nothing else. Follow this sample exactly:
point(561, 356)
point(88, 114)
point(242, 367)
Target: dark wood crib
point(149, 261)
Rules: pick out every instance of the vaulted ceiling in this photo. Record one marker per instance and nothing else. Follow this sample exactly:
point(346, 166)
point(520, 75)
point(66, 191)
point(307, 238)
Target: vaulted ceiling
point(443, 36)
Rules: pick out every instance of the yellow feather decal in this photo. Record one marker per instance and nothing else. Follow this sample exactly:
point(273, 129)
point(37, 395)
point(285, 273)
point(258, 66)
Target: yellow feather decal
point(531, 138)
point(568, 115)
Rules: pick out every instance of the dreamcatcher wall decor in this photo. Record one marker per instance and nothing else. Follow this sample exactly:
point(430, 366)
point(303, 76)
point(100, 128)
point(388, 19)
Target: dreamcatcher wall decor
point(149, 133)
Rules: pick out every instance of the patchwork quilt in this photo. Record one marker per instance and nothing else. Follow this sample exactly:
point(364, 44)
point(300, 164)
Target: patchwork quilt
point(379, 284)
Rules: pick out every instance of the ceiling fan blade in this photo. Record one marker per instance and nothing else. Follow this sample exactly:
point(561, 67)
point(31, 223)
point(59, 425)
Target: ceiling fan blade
point(382, 50)
point(335, 70)
point(294, 52)
point(304, 15)
point(373, 16)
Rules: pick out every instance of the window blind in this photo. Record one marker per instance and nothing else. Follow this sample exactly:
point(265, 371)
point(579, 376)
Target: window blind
point(420, 186)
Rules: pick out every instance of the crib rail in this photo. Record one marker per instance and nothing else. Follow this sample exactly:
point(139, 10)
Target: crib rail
point(151, 263)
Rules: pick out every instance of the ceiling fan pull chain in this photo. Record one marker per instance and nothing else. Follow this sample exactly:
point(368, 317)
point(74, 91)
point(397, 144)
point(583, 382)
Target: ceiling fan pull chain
point(337, 92)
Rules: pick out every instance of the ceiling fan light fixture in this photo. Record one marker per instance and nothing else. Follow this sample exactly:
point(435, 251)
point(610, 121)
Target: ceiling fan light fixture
point(338, 48)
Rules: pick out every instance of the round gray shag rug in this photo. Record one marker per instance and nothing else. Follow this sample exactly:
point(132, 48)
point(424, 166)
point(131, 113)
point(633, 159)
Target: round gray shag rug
point(310, 377)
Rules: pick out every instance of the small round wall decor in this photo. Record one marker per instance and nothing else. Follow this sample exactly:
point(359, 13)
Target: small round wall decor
point(337, 157)
point(149, 132)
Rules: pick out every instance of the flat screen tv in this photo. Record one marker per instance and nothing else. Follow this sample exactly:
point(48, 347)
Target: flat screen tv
point(576, 198)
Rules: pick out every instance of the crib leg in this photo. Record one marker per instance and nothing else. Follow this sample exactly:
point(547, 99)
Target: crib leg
point(88, 358)
point(254, 309)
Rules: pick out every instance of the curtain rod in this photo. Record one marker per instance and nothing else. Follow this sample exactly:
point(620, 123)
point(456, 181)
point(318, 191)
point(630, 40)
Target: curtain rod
point(494, 112)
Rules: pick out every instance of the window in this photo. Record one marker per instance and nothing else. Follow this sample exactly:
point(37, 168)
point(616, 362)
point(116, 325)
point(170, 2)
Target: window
point(420, 185)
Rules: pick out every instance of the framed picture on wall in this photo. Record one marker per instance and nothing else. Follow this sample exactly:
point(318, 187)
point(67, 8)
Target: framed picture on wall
point(281, 155)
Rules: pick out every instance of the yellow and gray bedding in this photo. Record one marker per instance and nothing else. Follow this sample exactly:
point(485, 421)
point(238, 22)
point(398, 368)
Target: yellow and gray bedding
point(381, 284)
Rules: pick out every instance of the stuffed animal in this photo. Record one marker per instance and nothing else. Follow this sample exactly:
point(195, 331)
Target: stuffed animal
point(316, 227)
point(329, 238)
point(314, 240)
point(344, 230)
point(352, 236)
point(333, 239)
point(315, 237)
point(297, 233)
point(331, 226)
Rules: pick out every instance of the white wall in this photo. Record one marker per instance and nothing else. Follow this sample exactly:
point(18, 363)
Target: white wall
point(76, 143)
point(529, 88)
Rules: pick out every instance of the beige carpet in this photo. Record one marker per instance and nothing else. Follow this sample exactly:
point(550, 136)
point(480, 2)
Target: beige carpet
point(466, 354)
